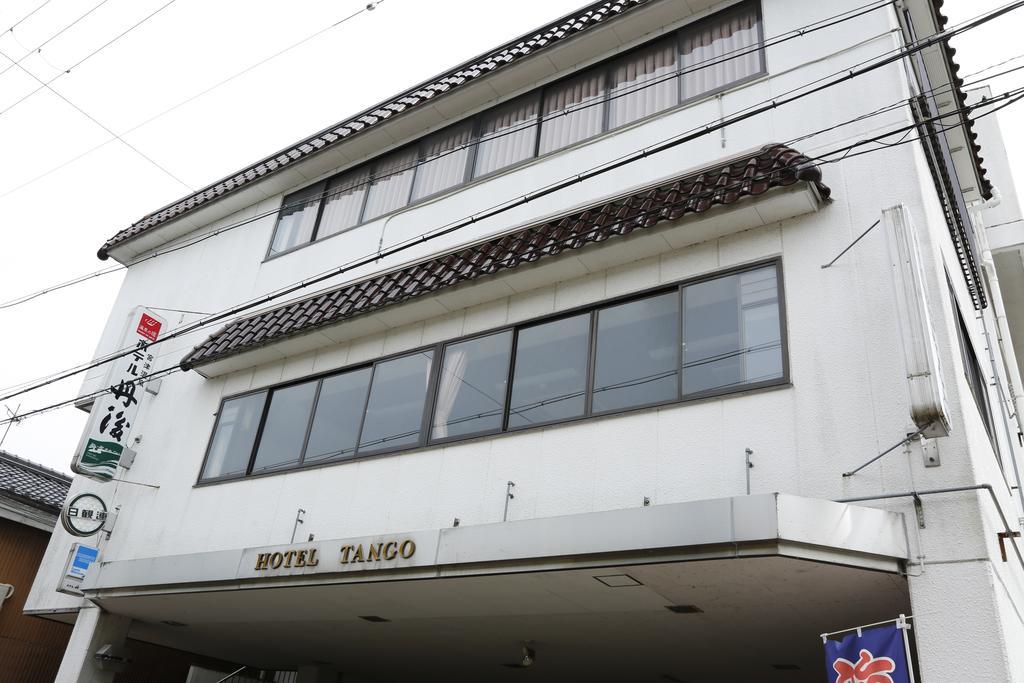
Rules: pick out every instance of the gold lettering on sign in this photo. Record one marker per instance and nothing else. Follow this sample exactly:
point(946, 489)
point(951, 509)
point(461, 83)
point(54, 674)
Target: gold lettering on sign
point(290, 559)
point(350, 554)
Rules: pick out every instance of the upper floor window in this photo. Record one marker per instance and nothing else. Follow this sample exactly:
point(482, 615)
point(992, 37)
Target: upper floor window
point(707, 337)
point(704, 57)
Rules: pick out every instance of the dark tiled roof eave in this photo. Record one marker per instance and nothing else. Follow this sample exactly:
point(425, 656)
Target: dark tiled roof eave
point(694, 193)
point(479, 67)
point(949, 52)
point(31, 483)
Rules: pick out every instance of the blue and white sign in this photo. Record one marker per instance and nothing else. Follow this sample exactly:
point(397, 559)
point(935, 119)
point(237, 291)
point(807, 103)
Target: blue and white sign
point(869, 655)
point(80, 559)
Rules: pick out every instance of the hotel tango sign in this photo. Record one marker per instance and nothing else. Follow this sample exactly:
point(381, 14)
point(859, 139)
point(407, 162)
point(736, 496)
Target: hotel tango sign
point(110, 421)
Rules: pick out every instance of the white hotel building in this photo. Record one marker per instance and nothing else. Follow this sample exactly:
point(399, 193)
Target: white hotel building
point(603, 414)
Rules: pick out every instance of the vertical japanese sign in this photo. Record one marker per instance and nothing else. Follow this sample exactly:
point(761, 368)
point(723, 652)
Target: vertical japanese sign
point(879, 654)
point(113, 413)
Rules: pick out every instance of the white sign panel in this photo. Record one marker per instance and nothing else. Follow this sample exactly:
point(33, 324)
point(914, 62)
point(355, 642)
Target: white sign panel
point(80, 559)
point(106, 437)
point(84, 515)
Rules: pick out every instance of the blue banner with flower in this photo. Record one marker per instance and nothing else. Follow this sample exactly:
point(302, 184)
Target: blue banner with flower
point(868, 655)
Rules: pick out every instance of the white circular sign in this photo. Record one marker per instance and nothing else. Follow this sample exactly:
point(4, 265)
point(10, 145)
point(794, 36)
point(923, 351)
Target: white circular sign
point(84, 515)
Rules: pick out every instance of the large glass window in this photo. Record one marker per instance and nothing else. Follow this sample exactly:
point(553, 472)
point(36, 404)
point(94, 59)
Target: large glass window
point(343, 202)
point(573, 111)
point(507, 135)
point(297, 219)
point(637, 353)
point(234, 436)
point(471, 388)
point(711, 336)
point(339, 412)
point(549, 381)
point(398, 393)
point(444, 161)
point(704, 57)
point(720, 50)
point(392, 181)
point(284, 428)
point(731, 331)
point(975, 376)
point(643, 83)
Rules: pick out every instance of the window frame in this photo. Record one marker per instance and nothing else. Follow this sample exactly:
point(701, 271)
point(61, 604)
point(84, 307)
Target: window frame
point(975, 376)
point(425, 441)
point(605, 66)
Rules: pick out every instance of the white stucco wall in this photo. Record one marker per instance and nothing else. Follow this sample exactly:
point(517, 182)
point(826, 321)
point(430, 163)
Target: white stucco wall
point(847, 401)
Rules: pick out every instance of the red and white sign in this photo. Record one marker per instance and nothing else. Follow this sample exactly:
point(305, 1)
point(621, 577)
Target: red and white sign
point(149, 327)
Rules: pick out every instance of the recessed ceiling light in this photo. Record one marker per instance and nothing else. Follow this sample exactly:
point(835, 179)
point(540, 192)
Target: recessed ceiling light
point(373, 618)
point(618, 580)
point(684, 609)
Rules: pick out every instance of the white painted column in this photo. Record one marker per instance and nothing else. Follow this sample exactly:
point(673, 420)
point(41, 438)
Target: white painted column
point(317, 673)
point(94, 628)
point(957, 623)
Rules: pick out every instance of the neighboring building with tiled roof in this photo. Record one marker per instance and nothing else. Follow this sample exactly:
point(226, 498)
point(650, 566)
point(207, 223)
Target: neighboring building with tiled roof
point(32, 484)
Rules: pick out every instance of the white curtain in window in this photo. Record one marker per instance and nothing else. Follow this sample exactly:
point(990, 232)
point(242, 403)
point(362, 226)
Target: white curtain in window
point(720, 51)
point(643, 84)
point(297, 219)
point(573, 111)
point(444, 161)
point(507, 136)
point(391, 184)
point(344, 201)
point(448, 385)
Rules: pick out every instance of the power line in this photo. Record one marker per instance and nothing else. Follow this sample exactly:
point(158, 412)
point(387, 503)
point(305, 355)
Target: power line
point(116, 268)
point(497, 209)
point(38, 48)
point(97, 121)
point(53, 288)
point(1009, 97)
point(18, 23)
point(739, 52)
point(703, 64)
point(179, 104)
point(1017, 96)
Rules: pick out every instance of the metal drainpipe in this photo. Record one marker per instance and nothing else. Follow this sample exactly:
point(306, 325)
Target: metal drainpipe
point(955, 489)
point(1013, 380)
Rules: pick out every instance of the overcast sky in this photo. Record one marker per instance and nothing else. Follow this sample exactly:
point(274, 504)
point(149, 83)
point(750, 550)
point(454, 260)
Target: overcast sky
point(51, 227)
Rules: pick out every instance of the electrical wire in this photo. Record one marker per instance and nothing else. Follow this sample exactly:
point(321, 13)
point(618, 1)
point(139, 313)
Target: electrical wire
point(179, 104)
point(1009, 97)
point(727, 56)
point(116, 268)
point(703, 64)
point(19, 22)
point(669, 143)
point(38, 48)
point(98, 122)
